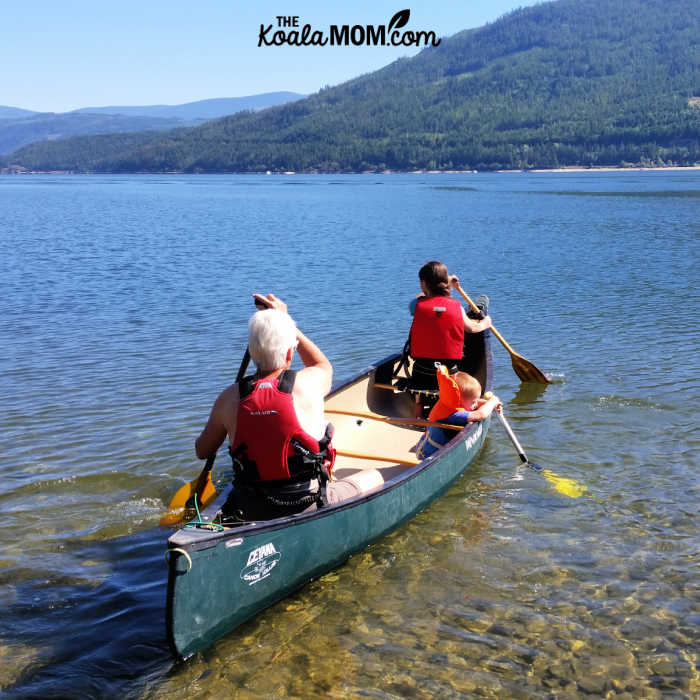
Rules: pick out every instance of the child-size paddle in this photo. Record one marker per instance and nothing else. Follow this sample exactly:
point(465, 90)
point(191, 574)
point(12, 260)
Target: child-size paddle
point(526, 370)
point(568, 487)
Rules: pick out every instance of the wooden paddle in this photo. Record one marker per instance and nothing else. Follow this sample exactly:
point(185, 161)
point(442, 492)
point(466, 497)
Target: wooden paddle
point(526, 371)
point(568, 487)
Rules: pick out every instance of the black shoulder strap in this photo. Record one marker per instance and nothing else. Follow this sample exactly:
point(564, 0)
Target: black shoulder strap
point(286, 381)
point(405, 354)
point(246, 386)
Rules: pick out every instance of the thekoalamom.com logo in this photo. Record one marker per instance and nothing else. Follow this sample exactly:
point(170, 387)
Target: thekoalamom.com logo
point(288, 32)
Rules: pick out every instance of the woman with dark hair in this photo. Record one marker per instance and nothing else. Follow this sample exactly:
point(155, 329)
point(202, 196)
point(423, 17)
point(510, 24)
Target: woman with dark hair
point(438, 328)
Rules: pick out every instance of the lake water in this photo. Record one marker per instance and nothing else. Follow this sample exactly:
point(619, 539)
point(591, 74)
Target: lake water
point(123, 304)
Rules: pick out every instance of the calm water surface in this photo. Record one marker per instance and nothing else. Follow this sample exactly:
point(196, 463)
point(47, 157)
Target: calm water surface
point(123, 303)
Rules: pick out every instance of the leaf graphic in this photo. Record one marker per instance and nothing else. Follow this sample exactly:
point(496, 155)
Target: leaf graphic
point(400, 19)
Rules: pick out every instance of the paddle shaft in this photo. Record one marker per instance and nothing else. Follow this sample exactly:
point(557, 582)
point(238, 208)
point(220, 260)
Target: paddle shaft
point(244, 365)
point(241, 373)
point(476, 309)
point(427, 392)
point(210, 459)
point(513, 439)
point(526, 370)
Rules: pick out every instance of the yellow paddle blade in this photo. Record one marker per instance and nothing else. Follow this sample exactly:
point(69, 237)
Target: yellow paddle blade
point(568, 487)
point(208, 494)
point(185, 495)
point(172, 517)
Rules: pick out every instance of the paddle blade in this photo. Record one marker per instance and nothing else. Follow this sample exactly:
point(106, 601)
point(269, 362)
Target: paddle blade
point(208, 494)
point(172, 517)
point(526, 371)
point(183, 494)
point(184, 499)
point(569, 487)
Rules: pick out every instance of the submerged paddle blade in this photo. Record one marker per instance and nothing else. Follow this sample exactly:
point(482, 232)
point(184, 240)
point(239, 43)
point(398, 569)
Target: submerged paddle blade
point(569, 487)
point(177, 507)
point(172, 517)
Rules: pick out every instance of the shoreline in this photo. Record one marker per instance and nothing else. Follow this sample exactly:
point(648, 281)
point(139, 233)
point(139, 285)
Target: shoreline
point(571, 169)
point(614, 169)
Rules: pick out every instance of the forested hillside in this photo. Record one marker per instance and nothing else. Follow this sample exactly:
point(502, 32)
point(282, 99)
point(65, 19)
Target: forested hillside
point(573, 82)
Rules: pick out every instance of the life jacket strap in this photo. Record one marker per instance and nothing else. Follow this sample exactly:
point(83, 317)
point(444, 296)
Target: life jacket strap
point(285, 383)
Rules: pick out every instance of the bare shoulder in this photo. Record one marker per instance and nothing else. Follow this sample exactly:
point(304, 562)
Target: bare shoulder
point(227, 399)
point(222, 421)
point(313, 380)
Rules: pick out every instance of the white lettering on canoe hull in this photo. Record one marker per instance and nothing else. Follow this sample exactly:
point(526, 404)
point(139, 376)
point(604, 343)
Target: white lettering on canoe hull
point(261, 561)
point(473, 439)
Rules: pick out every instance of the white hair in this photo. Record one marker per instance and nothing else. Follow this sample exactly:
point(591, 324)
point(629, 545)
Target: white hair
point(271, 333)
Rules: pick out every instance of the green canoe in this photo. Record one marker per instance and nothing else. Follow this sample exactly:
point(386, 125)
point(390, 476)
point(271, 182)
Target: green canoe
point(219, 579)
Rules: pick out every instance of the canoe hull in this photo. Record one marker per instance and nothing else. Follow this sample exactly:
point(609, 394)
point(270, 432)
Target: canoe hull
point(238, 576)
point(217, 580)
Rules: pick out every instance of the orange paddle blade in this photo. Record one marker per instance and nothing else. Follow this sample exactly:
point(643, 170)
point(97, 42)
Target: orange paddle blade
point(183, 499)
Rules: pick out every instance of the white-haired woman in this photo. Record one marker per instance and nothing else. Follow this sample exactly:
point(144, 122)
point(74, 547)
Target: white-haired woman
point(278, 438)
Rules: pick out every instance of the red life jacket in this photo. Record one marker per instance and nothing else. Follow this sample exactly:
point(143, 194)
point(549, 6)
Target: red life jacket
point(270, 444)
point(438, 329)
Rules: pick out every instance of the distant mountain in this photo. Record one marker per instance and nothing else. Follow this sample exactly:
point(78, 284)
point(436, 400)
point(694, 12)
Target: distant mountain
point(203, 109)
point(572, 82)
point(19, 127)
point(14, 112)
point(15, 133)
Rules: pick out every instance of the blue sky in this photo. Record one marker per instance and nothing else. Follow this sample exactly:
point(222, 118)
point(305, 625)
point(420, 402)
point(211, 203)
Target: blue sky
point(59, 55)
